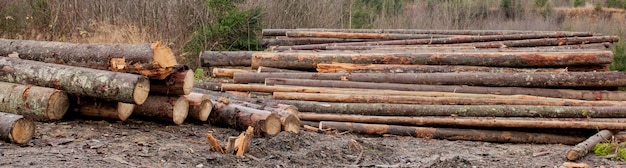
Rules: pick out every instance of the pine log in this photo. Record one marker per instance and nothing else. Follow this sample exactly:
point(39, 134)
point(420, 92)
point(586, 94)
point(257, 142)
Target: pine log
point(241, 117)
point(227, 72)
point(270, 69)
point(542, 38)
point(488, 122)
point(453, 133)
point(177, 83)
point(547, 42)
point(155, 60)
point(304, 41)
point(33, 102)
point(469, 46)
point(15, 128)
point(535, 79)
point(384, 109)
point(76, 81)
point(216, 86)
point(170, 109)
point(200, 106)
point(344, 35)
point(584, 147)
point(91, 107)
point(309, 61)
point(283, 32)
point(556, 93)
point(225, 58)
point(359, 98)
point(288, 118)
point(393, 68)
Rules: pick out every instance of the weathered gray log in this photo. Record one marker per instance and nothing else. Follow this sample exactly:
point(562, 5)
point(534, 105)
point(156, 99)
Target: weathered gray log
point(33, 102)
point(152, 60)
point(282, 32)
point(344, 35)
point(15, 128)
point(170, 109)
point(216, 86)
point(76, 81)
point(584, 147)
point(100, 109)
point(225, 58)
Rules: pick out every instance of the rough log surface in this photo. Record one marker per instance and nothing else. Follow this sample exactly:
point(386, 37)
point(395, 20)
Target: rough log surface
point(584, 147)
point(178, 83)
point(15, 128)
point(392, 68)
point(344, 35)
point(225, 58)
point(33, 102)
point(241, 118)
point(170, 109)
point(91, 107)
point(282, 32)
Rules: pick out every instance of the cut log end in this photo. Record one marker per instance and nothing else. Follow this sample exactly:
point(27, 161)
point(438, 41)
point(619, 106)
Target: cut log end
point(124, 110)
point(22, 131)
point(188, 82)
point(272, 125)
point(181, 110)
point(200, 106)
point(142, 89)
point(57, 105)
point(205, 110)
point(163, 55)
point(291, 123)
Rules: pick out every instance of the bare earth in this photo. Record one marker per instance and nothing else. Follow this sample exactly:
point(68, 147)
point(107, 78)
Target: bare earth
point(136, 143)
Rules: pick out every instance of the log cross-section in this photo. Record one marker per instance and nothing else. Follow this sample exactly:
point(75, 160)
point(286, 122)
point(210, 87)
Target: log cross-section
point(15, 128)
point(33, 102)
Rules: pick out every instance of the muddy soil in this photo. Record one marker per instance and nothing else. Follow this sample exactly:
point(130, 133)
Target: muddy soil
point(137, 143)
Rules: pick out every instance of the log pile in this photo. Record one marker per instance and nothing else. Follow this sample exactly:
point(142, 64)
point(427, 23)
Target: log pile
point(482, 85)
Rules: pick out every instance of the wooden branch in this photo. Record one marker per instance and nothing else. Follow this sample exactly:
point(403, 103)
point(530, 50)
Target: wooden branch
point(96, 108)
point(241, 117)
point(453, 133)
point(393, 68)
point(153, 60)
point(164, 108)
point(76, 81)
point(37, 103)
point(584, 147)
point(15, 128)
point(178, 83)
point(226, 72)
point(225, 58)
point(200, 106)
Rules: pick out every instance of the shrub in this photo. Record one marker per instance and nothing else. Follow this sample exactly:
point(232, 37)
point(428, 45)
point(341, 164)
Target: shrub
point(579, 3)
point(619, 56)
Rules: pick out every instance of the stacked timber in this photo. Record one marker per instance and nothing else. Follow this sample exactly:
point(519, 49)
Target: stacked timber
point(482, 85)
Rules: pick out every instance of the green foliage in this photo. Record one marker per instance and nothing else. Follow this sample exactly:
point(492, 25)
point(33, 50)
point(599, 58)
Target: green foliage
point(598, 7)
point(579, 3)
point(199, 74)
point(543, 7)
point(619, 56)
point(364, 12)
point(613, 150)
point(616, 4)
point(512, 9)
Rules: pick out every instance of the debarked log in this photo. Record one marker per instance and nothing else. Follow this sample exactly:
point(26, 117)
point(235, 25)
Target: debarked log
point(453, 133)
point(153, 60)
point(33, 102)
point(76, 81)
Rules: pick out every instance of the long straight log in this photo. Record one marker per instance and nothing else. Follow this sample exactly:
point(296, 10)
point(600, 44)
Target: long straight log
point(177, 83)
point(91, 107)
point(262, 69)
point(164, 108)
point(153, 60)
point(309, 61)
point(469, 46)
point(15, 128)
point(227, 72)
point(225, 58)
point(556, 93)
point(393, 68)
point(33, 102)
point(343, 35)
point(535, 79)
point(216, 86)
point(282, 32)
point(453, 133)
point(488, 122)
point(359, 98)
point(304, 41)
point(241, 117)
point(584, 147)
point(77, 81)
point(547, 42)
point(200, 106)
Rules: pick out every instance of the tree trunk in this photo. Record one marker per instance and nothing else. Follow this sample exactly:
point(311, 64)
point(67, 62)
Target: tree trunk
point(270, 69)
point(343, 35)
point(225, 58)
point(33, 102)
point(556, 93)
point(15, 128)
point(584, 147)
point(288, 118)
point(178, 83)
point(77, 81)
point(226, 72)
point(535, 79)
point(392, 68)
point(153, 60)
point(309, 61)
point(91, 107)
point(303, 41)
point(283, 32)
point(469, 46)
point(200, 106)
point(547, 42)
point(241, 117)
point(453, 133)
point(426, 100)
point(216, 86)
point(383, 109)
point(165, 108)
point(488, 122)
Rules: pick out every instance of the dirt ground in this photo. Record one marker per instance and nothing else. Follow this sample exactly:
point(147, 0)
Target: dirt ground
point(136, 143)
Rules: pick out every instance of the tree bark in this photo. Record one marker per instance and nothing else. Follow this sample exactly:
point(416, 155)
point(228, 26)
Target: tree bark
point(178, 83)
point(469, 46)
point(453, 133)
point(91, 107)
point(487, 122)
point(215, 86)
point(344, 35)
point(309, 61)
point(556, 93)
point(303, 41)
point(225, 58)
point(283, 32)
point(153, 60)
point(241, 117)
point(535, 79)
point(547, 42)
point(33, 102)
point(77, 81)
point(15, 128)
point(426, 100)
point(226, 72)
point(393, 68)
point(164, 108)
point(584, 147)
point(200, 106)
point(270, 69)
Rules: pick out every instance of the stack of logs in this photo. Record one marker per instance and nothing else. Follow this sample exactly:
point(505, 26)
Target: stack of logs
point(496, 86)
